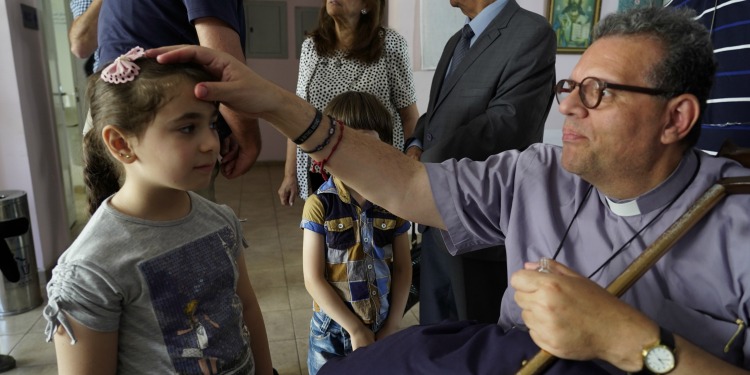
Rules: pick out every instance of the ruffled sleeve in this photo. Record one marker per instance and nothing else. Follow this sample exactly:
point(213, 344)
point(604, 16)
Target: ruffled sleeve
point(85, 293)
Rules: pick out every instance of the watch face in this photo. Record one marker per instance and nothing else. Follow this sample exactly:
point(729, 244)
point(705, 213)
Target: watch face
point(659, 360)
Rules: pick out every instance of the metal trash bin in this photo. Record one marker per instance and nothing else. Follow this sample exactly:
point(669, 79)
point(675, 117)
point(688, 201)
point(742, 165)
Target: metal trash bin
point(19, 282)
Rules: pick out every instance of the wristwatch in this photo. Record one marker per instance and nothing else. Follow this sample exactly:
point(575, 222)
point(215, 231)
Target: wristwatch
point(659, 358)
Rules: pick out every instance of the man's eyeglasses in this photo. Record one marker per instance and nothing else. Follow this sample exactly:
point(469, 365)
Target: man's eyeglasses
point(591, 90)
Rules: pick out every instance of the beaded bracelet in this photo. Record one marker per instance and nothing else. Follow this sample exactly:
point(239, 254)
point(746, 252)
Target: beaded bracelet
point(321, 146)
point(322, 164)
point(310, 129)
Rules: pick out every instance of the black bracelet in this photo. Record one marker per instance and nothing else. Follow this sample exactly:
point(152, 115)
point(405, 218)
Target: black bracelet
point(310, 129)
point(321, 146)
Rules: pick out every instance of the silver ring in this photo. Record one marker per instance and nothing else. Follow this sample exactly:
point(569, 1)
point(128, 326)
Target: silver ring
point(543, 265)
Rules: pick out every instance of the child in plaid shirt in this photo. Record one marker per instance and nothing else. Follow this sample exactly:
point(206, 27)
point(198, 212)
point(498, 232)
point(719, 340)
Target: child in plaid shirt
point(356, 259)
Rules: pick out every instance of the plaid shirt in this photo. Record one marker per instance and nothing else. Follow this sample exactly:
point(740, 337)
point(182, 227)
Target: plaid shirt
point(77, 7)
point(359, 248)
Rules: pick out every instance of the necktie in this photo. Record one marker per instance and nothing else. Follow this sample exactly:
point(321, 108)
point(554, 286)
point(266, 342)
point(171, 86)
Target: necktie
point(462, 48)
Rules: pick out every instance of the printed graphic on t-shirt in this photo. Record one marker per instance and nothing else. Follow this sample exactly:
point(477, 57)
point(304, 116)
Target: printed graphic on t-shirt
point(193, 295)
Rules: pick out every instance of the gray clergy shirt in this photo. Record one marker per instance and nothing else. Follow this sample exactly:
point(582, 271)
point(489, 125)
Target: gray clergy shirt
point(526, 200)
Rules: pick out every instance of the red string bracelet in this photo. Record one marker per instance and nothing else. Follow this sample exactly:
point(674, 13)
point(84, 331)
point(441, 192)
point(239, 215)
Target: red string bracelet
point(321, 164)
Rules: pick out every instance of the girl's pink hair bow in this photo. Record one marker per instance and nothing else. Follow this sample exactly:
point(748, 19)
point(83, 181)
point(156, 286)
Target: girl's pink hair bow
point(123, 69)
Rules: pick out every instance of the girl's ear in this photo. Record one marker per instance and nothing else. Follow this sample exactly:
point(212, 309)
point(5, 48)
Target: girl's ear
point(117, 144)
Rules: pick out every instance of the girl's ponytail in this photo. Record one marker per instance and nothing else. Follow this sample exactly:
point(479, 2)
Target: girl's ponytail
point(100, 174)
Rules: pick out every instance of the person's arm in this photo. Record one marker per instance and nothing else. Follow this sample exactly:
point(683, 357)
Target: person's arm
point(400, 284)
point(93, 353)
point(415, 151)
point(408, 195)
point(572, 317)
point(217, 34)
point(514, 117)
point(289, 189)
point(313, 263)
point(253, 320)
point(409, 116)
point(83, 31)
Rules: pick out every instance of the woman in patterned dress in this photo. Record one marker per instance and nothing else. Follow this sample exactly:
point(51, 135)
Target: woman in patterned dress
point(351, 51)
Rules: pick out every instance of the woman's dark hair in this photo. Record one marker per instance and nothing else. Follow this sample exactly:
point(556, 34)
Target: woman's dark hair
point(368, 42)
point(361, 110)
point(130, 107)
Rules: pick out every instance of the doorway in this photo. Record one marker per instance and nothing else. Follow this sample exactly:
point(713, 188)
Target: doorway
point(66, 77)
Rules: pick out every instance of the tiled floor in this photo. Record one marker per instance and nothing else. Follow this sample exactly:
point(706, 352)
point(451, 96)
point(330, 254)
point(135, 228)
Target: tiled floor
point(274, 261)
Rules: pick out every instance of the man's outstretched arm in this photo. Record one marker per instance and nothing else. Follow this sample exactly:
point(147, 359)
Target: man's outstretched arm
point(378, 171)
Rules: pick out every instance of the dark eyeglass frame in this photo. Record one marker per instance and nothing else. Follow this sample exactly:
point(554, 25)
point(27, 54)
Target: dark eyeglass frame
point(602, 85)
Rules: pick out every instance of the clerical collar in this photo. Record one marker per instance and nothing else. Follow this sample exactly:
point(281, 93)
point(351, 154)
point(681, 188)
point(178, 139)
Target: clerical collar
point(629, 208)
point(658, 196)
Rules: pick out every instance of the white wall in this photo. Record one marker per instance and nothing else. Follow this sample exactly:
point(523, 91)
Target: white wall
point(29, 158)
point(282, 72)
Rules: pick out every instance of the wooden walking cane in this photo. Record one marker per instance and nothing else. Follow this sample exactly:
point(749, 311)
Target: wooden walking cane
point(649, 256)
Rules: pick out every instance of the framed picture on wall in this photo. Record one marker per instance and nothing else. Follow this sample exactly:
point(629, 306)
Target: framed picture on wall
point(573, 22)
point(624, 5)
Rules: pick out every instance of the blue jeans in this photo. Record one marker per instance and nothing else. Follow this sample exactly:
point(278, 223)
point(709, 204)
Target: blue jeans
point(328, 339)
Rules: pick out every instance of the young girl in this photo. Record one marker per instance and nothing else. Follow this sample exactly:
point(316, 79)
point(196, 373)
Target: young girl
point(156, 283)
point(356, 259)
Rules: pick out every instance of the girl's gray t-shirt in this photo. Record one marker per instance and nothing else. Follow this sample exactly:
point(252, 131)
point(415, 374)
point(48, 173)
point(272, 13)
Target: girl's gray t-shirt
point(168, 288)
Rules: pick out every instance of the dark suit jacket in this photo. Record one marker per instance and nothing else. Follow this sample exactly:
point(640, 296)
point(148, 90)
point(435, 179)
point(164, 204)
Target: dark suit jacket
point(498, 97)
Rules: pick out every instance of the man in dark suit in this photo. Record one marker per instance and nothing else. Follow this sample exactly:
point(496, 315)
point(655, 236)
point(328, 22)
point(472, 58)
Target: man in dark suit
point(491, 97)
